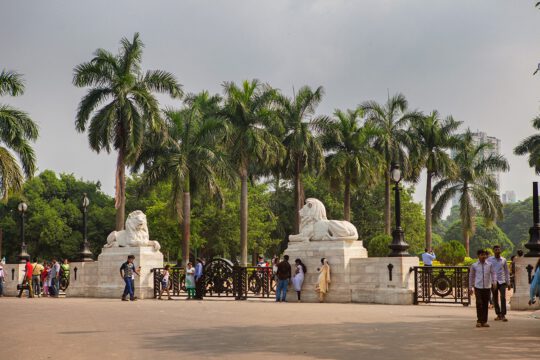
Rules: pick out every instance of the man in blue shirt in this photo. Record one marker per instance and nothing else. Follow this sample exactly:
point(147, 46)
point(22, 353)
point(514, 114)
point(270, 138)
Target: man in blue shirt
point(428, 257)
point(199, 280)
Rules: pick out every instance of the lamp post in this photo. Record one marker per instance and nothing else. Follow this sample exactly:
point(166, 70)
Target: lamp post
point(23, 255)
point(86, 254)
point(534, 232)
point(398, 246)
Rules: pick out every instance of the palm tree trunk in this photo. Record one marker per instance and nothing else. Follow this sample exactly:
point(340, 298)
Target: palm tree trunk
point(186, 234)
point(347, 199)
point(120, 197)
point(243, 217)
point(429, 201)
point(387, 219)
point(466, 240)
point(297, 197)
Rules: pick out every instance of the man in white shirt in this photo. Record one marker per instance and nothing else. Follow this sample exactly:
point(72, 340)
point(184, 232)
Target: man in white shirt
point(482, 277)
point(503, 282)
point(428, 257)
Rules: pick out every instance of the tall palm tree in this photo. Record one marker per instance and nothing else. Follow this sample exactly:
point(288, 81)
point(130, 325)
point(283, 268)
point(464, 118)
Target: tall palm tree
point(475, 184)
point(130, 106)
point(249, 110)
point(392, 120)
point(352, 158)
point(433, 138)
point(303, 151)
point(188, 154)
point(17, 130)
point(531, 146)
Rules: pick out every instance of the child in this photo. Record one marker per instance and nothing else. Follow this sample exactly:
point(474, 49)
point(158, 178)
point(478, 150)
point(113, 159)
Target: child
point(190, 281)
point(165, 282)
point(44, 279)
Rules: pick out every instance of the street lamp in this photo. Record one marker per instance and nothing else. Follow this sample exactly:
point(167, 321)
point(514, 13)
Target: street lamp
point(23, 255)
point(398, 246)
point(86, 254)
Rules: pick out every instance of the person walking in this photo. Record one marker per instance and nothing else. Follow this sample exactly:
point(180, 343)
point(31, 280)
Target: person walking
point(500, 266)
point(27, 280)
point(284, 276)
point(298, 279)
point(55, 278)
point(165, 282)
point(199, 280)
point(483, 277)
point(190, 281)
point(534, 290)
point(36, 277)
point(323, 282)
point(126, 272)
point(2, 279)
point(428, 257)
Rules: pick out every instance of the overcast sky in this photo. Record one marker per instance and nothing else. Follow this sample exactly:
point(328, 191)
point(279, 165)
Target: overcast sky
point(471, 59)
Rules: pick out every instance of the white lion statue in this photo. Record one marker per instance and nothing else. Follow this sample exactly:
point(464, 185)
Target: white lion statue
point(314, 226)
point(135, 235)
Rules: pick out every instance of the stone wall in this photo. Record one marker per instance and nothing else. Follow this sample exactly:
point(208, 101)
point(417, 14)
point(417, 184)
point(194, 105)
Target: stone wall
point(13, 278)
point(520, 299)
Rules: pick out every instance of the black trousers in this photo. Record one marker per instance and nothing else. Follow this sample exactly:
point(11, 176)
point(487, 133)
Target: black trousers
point(482, 303)
point(500, 290)
point(199, 288)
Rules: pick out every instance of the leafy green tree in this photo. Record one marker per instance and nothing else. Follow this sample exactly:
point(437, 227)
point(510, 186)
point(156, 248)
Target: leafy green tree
point(485, 236)
point(351, 157)
point(252, 138)
point(303, 151)
point(379, 245)
point(531, 146)
point(475, 184)
point(392, 120)
point(433, 138)
point(130, 109)
point(189, 157)
point(17, 130)
point(516, 222)
point(451, 252)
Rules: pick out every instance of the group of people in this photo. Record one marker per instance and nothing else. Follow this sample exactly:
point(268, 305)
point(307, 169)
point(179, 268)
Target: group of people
point(284, 275)
point(194, 281)
point(43, 279)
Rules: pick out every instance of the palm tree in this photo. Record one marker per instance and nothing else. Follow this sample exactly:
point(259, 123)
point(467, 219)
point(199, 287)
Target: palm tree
point(248, 109)
point(352, 157)
point(188, 155)
point(433, 138)
point(475, 184)
point(531, 146)
point(130, 107)
point(391, 120)
point(16, 131)
point(303, 150)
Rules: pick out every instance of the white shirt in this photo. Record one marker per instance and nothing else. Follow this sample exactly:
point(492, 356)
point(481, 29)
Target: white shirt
point(501, 269)
point(428, 258)
point(482, 275)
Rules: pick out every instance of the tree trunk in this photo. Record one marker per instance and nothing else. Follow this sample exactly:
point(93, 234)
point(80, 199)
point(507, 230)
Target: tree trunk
point(243, 218)
point(120, 197)
point(429, 201)
point(466, 241)
point(347, 199)
point(186, 234)
point(298, 198)
point(387, 218)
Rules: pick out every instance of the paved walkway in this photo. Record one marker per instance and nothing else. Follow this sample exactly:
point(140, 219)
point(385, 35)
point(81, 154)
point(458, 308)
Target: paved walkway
point(110, 329)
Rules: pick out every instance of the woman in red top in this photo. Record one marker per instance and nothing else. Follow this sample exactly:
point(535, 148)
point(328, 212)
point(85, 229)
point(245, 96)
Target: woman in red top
point(44, 279)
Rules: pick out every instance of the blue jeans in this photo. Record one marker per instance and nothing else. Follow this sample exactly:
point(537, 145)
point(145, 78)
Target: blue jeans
point(55, 283)
point(37, 284)
point(281, 290)
point(129, 288)
point(1, 286)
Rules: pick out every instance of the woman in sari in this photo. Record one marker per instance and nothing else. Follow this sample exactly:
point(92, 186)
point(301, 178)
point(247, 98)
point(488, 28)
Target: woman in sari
point(298, 278)
point(323, 282)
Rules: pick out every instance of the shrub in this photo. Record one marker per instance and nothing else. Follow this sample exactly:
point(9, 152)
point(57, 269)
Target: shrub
point(378, 245)
point(451, 252)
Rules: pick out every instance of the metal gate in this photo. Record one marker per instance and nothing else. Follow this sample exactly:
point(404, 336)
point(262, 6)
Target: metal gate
point(221, 278)
point(441, 285)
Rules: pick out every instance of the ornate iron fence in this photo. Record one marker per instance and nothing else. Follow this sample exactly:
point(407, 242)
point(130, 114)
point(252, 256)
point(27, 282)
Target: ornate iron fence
point(223, 279)
point(441, 284)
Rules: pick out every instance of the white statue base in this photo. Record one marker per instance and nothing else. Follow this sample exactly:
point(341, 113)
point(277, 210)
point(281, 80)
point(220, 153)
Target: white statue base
point(520, 299)
point(339, 254)
point(102, 278)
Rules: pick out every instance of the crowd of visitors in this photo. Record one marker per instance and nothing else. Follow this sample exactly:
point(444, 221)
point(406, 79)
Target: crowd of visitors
point(46, 278)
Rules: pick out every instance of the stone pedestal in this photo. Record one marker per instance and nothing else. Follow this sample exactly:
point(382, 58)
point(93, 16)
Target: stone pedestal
point(14, 274)
point(339, 254)
point(102, 278)
point(520, 299)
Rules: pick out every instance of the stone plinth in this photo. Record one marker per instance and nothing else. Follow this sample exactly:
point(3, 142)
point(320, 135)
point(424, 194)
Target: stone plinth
point(102, 278)
point(520, 299)
point(370, 280)
point(339, 254)
point(13, 278)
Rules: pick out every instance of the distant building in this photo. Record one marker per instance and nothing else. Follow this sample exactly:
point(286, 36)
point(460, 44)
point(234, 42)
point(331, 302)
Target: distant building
point(508, 197)
point(480, 137)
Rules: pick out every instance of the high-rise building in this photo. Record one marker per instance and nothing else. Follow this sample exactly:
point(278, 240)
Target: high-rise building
point(508, 197)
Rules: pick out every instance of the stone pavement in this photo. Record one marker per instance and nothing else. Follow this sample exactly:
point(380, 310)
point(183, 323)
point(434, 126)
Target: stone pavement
point(106, 329)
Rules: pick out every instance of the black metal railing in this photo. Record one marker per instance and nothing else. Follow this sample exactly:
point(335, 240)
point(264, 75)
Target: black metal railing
point(221, 278)
point(441, 284)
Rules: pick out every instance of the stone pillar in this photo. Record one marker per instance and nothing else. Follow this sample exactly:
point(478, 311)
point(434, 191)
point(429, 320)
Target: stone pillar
point(520, 299)
point(10, 286)
point(86, 283)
